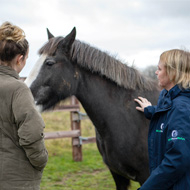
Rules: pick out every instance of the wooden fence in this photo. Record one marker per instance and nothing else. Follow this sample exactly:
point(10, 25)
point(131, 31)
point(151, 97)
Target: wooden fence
point(76, 117)
point(75, 133)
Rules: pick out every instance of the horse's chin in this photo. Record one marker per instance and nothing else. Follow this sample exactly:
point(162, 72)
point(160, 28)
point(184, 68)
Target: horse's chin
point(42, 108)
point(39, 108)
point(46, 106)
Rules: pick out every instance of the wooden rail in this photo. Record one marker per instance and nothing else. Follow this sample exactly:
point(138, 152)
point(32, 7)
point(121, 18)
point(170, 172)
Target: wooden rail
point(75, 117)
point(62, 134)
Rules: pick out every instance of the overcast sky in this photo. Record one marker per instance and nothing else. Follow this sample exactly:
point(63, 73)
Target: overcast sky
point(137, 31)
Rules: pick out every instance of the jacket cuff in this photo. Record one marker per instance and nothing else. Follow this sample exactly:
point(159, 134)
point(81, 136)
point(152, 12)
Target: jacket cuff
point(149, 111)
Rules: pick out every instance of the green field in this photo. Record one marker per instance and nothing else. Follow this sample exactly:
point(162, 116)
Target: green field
point(61, 172)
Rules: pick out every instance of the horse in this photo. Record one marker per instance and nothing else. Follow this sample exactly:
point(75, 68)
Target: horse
point(106, 88)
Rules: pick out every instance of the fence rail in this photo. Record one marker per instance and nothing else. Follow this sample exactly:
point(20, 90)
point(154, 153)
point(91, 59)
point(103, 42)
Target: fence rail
point(75, 134)
point(62, 134)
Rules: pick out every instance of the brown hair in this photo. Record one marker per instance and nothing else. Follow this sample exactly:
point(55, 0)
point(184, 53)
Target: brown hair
point(177, 63)
point(12, 42)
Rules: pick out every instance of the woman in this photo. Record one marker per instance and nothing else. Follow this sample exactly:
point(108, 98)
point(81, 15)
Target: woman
point(23, 155)
point(169, 131)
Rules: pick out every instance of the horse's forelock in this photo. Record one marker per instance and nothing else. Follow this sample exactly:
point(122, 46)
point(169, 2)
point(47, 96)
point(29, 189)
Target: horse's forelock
point(50, 47)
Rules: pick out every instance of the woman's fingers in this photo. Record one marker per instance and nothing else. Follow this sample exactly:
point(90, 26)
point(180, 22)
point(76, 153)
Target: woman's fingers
point(143, 102)
point(138, 101)
point(140, 109)
point(143, 99)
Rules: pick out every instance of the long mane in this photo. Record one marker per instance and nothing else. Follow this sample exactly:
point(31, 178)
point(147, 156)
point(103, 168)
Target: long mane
point(97, 61)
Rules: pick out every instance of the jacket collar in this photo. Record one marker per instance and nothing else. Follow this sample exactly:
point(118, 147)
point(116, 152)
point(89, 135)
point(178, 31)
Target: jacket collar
point(166, 97)
point(5, 70)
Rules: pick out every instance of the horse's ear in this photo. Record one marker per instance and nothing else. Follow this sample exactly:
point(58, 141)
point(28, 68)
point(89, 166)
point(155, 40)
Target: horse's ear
point(50, 35)
point(68, 40)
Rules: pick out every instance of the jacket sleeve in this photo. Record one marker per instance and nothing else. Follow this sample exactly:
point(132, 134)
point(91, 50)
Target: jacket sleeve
point(177, 155)
point(149, 111)
point(30, 127)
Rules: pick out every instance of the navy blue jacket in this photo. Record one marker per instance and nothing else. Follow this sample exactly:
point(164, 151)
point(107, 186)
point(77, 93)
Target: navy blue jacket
point(169, 141)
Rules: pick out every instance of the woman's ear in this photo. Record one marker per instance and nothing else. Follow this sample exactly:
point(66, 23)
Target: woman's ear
point(19, 59)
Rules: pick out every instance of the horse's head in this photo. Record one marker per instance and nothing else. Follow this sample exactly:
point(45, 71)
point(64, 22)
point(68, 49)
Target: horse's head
point(55, 77)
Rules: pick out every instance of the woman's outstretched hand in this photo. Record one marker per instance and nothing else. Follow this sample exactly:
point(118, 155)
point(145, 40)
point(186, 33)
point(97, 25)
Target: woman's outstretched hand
point(143, 102)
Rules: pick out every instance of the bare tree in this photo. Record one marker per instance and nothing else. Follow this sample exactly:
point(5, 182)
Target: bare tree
point(150, 71)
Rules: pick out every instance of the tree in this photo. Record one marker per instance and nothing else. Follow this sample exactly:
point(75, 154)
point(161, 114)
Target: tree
point(150, 71)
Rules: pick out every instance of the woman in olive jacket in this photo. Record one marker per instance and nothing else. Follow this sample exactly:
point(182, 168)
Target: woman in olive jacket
point(23, 155)
point(169, 131)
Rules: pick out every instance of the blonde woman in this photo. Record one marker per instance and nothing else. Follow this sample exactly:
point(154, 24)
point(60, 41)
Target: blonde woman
point(23, 155)
point(169, 131)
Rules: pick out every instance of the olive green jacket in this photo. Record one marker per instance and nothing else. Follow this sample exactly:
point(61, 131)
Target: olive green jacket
point(22, 151)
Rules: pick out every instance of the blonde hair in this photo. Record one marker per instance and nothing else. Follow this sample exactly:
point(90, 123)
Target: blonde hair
point(177, 63)
point(12, 42)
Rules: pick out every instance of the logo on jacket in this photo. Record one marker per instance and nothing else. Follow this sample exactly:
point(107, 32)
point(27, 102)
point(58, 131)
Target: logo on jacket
point(161, 128)
point(174, 135)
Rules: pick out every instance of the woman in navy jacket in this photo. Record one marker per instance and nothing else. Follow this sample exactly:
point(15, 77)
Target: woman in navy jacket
point(169, 131)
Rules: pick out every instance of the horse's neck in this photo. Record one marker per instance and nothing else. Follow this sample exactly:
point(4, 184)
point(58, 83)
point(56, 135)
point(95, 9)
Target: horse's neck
point(90, 91)
point(97, 96)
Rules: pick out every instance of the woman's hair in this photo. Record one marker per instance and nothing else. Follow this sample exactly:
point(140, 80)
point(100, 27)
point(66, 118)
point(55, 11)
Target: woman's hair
point(12, 42)
point(177, 63)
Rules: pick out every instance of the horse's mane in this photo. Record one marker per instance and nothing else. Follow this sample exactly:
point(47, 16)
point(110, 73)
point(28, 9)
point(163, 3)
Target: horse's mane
point(102, 63)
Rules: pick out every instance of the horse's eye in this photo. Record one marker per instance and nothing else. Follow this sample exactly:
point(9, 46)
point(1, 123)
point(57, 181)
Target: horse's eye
point(50, 63)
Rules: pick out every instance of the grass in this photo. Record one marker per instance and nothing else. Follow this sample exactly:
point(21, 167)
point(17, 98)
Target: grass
point(62, 172)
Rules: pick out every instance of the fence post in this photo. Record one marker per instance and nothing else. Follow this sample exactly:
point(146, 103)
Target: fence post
point(75, 125)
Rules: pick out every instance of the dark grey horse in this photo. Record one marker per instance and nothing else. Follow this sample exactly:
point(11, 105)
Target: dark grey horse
point(106, 89)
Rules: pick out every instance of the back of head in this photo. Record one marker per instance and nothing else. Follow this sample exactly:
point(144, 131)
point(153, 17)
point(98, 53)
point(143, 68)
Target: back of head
point(12, 42)
point(177, 63)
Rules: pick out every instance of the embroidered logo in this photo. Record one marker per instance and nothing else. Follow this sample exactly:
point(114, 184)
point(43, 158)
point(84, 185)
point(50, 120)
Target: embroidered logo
point(161, 128)
point(174, 135)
